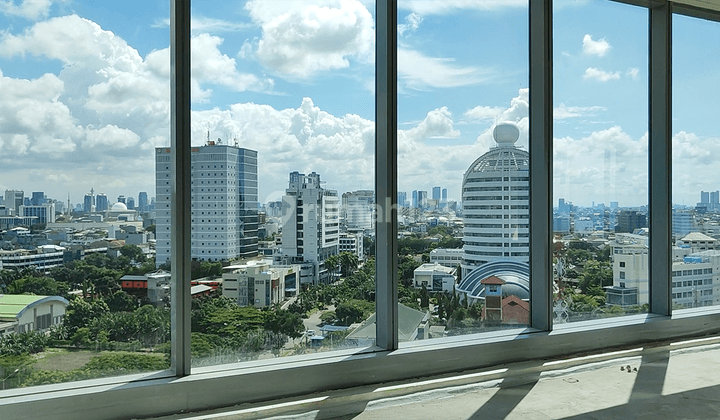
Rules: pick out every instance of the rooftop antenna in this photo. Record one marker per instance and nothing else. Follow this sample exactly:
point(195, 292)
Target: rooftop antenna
point(235, 140)
point(208, 135)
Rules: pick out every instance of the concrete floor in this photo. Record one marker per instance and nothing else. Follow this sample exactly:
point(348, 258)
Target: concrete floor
point(664, 381)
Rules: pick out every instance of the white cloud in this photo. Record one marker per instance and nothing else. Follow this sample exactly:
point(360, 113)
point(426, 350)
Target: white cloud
point(425, 7)
point(481, 112)
point(111, 136)
point(633, 73)
point(29, 9)
point(418, 71)
point(592, 47)
point(563, 112)
point(301, 39)
point(600, 75)
point(412, 23)
point(200, 24)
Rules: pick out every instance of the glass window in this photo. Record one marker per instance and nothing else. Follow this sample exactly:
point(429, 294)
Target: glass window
point(463, 165)
point(284, 97)
point(600, 159)
point(84, 100)
point(696, 136)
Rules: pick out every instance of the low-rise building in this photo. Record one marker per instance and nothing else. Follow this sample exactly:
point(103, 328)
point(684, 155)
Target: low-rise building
point(21, 313)
point(258, 283)
point(434, 277)
point(353, 243)
point(448, 257)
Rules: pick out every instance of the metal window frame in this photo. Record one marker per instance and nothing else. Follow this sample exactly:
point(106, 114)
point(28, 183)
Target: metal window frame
point(155, 394)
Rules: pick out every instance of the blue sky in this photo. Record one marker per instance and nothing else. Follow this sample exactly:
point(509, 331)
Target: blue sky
point(84, 93)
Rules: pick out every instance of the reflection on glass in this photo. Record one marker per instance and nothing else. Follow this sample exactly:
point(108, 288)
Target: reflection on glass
point(696, 200)
point(84, 103)
point(601, 241)
point(463, 166)
point(282, 180)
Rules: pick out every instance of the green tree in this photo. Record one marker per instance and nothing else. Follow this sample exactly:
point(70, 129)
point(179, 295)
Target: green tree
point(79, 313)
point(133, 252)
point(597, 274)
point(42, 286)
point(354, 310)
point(348, 263)
point(121, 301)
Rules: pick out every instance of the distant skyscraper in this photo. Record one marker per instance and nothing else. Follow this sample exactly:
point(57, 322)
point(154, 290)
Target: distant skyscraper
point(436, 193)
point(444, 195)
point(101, 202)
point(89, 203)
point(130, 203)
point(143, 201)
point(704, 197)
point(224, 215)
point(38, 198)
point(121, 199)
point(414, 198)
point(422, 199)
point(14, 199)
point(310, 225)
point(715, 197)
point(402, 199)
point(495, 197)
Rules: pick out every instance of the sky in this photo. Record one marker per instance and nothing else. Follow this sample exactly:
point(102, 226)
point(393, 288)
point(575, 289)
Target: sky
point(84, 93)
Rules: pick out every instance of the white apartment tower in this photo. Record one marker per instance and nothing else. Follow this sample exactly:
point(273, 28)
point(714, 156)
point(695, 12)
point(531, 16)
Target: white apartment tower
point(224, 216)
point(358, 209)
point(311, 225)
point(496, 210)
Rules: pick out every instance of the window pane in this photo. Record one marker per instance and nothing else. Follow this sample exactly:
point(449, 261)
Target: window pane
point(282, 179)
point(463, 167)
point(696, 205)
point(84, 103)
point(600, 160)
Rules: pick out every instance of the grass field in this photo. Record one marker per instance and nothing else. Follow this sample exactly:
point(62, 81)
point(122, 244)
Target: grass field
point(63, 359)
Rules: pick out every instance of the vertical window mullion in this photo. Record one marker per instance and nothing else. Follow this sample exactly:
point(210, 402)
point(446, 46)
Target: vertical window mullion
point(541, 143)
point(386, 263)
point(180, 186)
point(660, 165)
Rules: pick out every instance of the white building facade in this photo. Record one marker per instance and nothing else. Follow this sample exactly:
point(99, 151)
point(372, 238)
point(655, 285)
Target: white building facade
point(311, 226)
point(224, 214)
point(496, 209)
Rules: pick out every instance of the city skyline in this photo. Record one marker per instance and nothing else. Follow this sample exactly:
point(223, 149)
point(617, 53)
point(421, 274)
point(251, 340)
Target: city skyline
point(308, 105)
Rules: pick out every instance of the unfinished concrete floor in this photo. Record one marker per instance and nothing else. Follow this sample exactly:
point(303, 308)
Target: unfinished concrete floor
point(664, 381)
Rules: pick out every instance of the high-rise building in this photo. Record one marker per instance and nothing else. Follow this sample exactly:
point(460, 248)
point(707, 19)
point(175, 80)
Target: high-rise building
point(402, 199)
point(444, 195)
point(14, 199)
point(101, 202)
point(310, 226)
point(121, 199)
point(143, 201)
point(714, 197)
point(130, 203)
point(422, 199)
point(358, 209)
point(45, 212)
point(89, 203)
point(704, 197)
point(414, 198)
point(436, 193)
point(38, 198)
point(224, 205)
point(496, 211)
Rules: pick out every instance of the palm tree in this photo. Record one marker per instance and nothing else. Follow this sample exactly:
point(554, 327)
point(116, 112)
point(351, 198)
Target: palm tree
point(332, 263)
point(348, 262)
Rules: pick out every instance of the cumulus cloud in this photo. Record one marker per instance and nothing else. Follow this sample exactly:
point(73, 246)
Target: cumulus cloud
point(418, 71)
point(482, 112)
point(412, 23)
point(111, 136)
point(203, 24)
point(301, 39)
point(592, 47)
point(600, 75)
point(29, 9)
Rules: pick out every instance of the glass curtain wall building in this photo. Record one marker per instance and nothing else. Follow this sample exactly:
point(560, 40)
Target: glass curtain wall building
point(185, 389)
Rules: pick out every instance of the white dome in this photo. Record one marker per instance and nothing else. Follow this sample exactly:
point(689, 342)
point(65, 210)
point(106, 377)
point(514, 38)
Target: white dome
point(118, 207)
point(506, 134)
